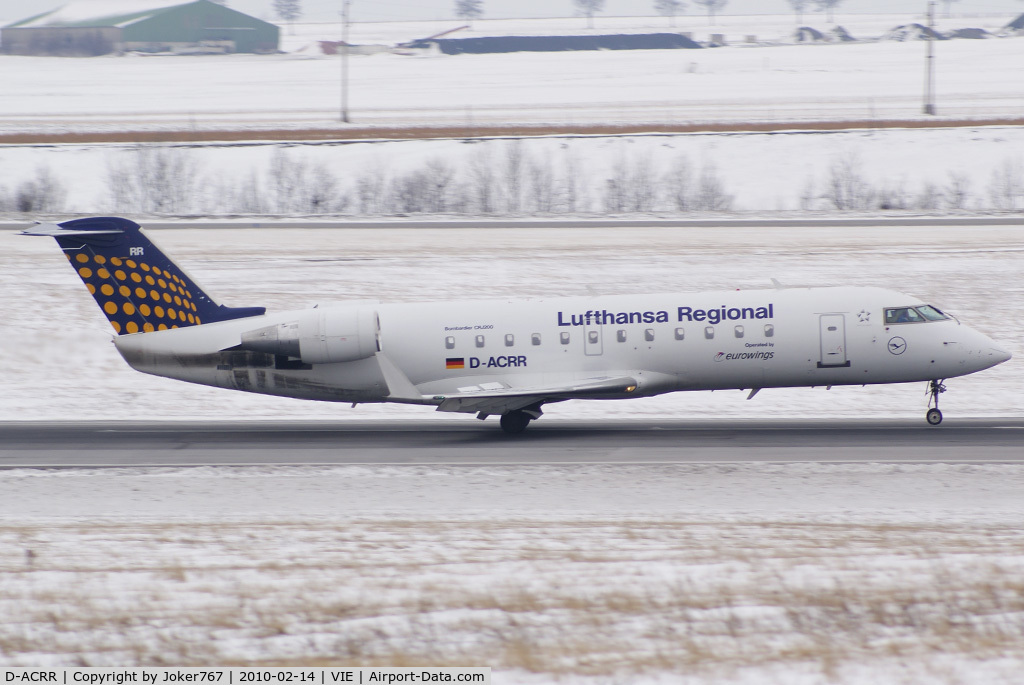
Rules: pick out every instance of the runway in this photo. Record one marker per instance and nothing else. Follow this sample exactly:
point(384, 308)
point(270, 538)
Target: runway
point(468, 442)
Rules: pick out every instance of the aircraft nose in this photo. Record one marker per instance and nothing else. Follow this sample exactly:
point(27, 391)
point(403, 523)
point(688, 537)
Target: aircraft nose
point(1001, 355)
point(991, 353)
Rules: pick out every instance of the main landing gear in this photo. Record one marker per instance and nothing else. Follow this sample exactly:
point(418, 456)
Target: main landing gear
point(934, 416)
point(516, 421)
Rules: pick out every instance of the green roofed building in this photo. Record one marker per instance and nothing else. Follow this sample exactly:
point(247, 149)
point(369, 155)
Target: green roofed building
point(99, 27)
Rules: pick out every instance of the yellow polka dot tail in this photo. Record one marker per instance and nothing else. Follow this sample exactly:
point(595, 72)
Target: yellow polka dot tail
point(138, 287)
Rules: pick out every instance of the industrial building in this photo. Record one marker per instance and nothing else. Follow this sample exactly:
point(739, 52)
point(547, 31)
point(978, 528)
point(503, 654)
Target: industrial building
point(100, 27)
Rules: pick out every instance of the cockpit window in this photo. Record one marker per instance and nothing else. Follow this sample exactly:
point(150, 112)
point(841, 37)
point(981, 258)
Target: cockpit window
point(913, 314)
point(931, 313)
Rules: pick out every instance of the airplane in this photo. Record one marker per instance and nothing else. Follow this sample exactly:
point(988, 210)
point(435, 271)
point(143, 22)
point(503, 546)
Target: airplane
point(509, 358)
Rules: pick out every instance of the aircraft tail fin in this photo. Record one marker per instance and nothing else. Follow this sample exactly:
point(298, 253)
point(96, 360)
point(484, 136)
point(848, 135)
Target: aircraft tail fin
point(136, 285)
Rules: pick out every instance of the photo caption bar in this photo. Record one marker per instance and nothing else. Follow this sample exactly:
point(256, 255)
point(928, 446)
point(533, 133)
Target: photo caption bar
point(144, 675)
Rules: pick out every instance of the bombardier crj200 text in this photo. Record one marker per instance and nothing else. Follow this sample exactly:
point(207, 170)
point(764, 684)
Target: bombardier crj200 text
point(511, 358)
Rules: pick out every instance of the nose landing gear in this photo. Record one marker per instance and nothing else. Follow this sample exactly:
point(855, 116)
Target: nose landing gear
point(934, 416)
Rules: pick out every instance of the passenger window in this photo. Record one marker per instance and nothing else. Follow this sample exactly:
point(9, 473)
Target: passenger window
point(709, 332)
point(479, 341)
point(564, 337)
point(620, 335)
point(510, 340)
point(738, 331)
point(649, 335)
point(680, 334)
point(535, 339)
point(593, 337)
point(769, 330)
point(449, 342)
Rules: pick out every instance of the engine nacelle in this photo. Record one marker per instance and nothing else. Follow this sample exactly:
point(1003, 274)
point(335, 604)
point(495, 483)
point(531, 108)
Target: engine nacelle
point(320, 336)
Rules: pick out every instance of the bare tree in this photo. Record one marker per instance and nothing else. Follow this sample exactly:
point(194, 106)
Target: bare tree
point(288, 10)
point(440, 174)
point(154, 179)
point(541, 178)
point(798, 8)
point(711, 195)
point(1007, 184)
point(512, 176)
point(957, 190)
point(469, 9)
point(588, 8)
point(670, 8)
point(574, 184)
point(930, 197)
point(712, 7)
point(846, 188)
point(298, 186)
point(828, 7)
point(482, 177)
point(44, 193)
point(679, 183)
point(370, 191)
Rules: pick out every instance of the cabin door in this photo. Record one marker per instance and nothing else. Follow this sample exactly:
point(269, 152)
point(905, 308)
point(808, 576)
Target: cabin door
point(833, 341)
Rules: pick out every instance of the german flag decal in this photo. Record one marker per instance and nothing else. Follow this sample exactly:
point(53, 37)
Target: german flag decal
point(455, 363)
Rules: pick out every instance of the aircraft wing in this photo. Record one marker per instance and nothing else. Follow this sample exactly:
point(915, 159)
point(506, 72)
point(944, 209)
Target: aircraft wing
point(500, 400)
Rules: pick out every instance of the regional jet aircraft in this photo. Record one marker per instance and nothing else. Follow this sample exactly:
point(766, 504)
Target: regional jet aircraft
point(511, 358)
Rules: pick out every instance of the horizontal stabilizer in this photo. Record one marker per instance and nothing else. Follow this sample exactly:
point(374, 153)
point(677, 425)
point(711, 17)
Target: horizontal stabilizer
point(55, 230)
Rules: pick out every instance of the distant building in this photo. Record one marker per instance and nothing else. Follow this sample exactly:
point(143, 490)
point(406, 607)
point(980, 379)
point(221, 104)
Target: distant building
point(99, 27)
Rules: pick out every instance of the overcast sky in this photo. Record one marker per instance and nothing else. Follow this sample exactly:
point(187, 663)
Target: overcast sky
point(397, 10)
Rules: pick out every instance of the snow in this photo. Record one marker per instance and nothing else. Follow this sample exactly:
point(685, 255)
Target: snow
point(86, 10)
point(588, 575)
point(772, 82)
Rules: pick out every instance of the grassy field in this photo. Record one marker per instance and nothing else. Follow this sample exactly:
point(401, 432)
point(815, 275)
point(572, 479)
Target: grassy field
point(586, 596)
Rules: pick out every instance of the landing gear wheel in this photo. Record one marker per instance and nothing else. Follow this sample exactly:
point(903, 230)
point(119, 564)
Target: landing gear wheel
point(515, 422)
point(934, 416)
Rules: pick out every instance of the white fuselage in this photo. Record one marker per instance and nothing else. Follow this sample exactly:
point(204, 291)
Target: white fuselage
point(667, 342)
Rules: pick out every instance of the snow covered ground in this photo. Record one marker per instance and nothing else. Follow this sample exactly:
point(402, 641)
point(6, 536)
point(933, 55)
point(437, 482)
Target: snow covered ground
point(773, 81)
point(577, 574)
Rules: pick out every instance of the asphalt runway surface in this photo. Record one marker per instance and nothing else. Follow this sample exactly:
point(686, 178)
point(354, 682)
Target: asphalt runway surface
point(469, 442)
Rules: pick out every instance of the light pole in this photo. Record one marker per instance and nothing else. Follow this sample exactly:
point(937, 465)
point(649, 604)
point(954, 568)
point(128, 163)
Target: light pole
point(929, 61)
point(344, 61)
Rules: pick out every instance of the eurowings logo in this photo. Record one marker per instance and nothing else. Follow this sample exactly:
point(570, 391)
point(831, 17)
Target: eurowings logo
point(741, 356)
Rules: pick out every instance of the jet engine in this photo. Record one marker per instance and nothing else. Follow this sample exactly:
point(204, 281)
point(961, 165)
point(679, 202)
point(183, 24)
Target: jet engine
point(320, 336)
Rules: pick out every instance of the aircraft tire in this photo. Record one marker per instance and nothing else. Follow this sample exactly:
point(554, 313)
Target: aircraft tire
point(934, 417)
point(514, 422)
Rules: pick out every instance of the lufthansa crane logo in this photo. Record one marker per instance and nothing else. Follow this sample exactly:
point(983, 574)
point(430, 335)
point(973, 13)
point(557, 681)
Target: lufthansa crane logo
point(897, 345)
